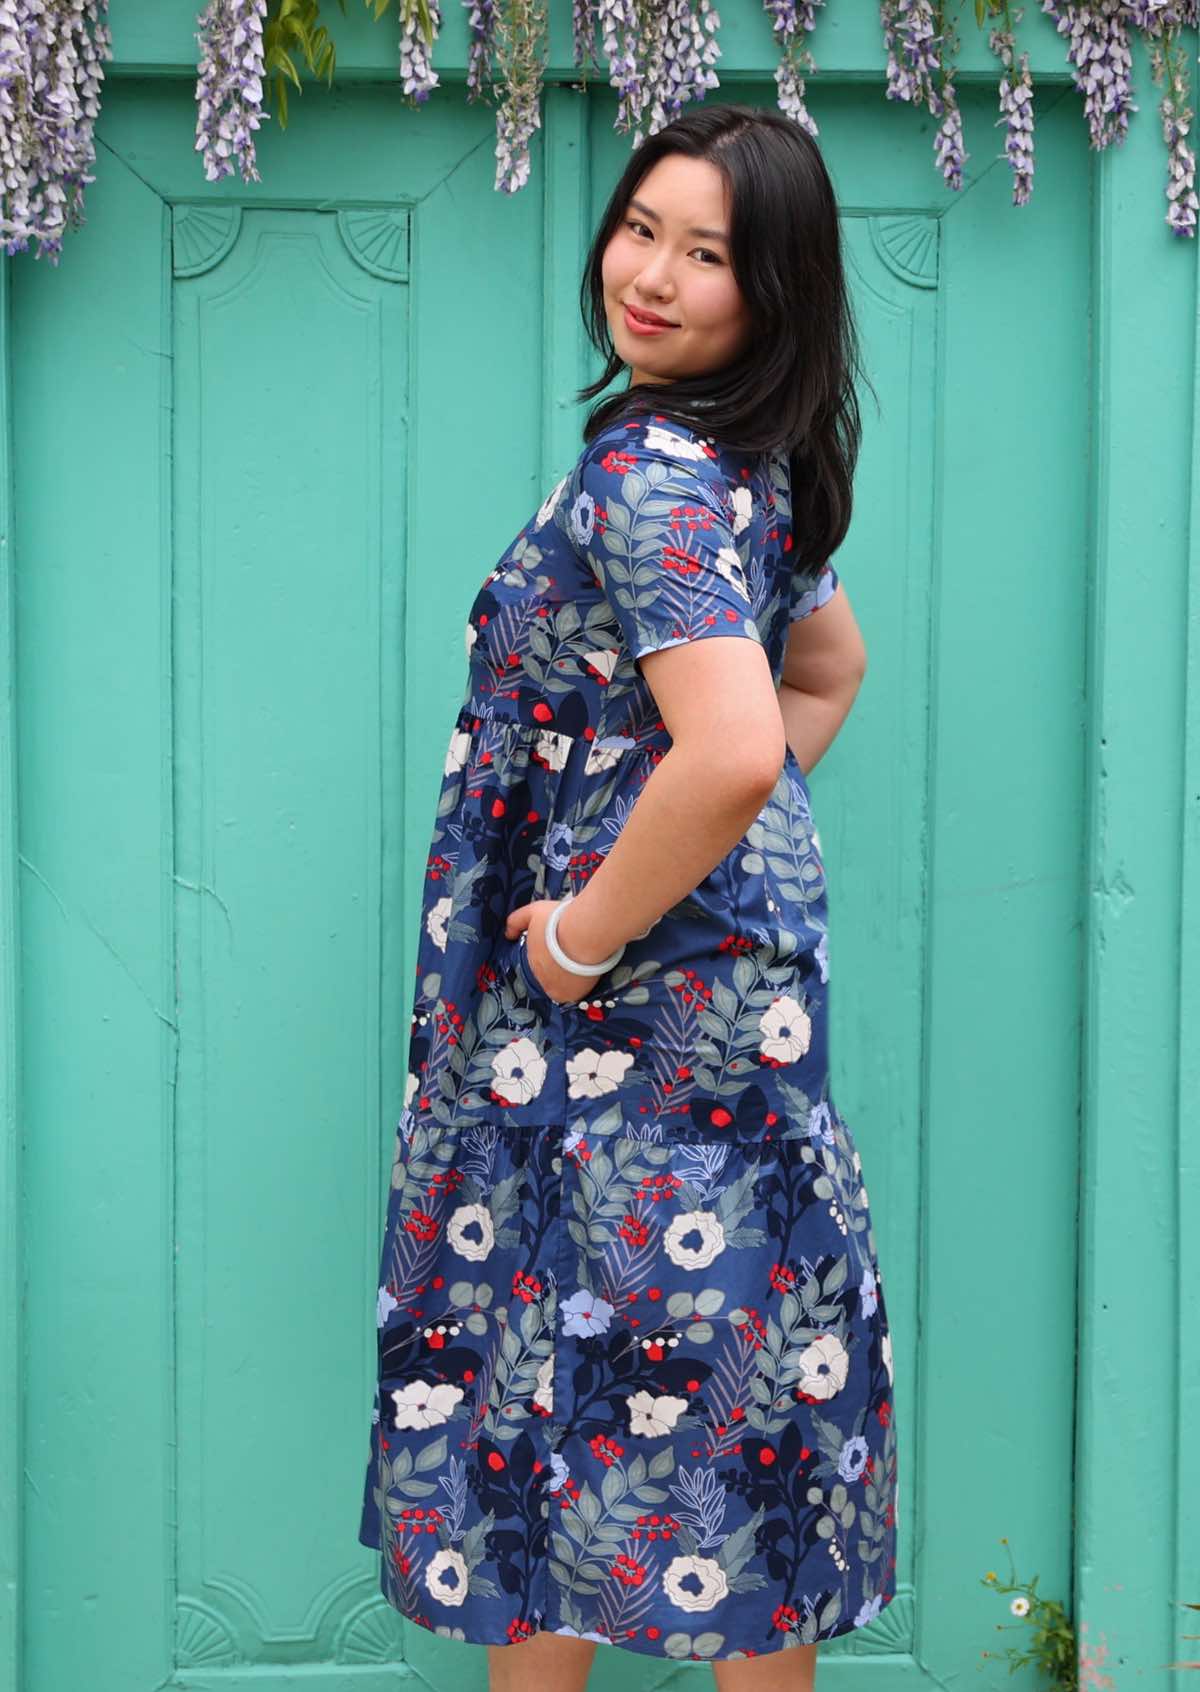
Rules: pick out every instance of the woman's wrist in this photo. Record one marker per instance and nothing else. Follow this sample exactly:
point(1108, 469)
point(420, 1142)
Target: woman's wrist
point(579, 936)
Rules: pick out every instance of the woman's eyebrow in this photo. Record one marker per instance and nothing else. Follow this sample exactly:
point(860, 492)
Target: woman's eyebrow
point(704, 234)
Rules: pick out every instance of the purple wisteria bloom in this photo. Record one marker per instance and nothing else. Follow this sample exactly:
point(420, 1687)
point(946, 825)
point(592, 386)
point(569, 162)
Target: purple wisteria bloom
point(913, 50)
point(1098, 48)
point(1016, 112)
point(1161, 20)
point(916, 54)
point(417, 36)
point(792, 23)
point(51, 57)
point(229, 88)
point(481, 36)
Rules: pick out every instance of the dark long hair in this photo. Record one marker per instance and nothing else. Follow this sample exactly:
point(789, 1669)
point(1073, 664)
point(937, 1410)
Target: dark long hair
point(793, 386)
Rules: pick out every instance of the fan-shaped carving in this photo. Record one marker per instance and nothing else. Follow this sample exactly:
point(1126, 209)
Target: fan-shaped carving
point(889, 1635)
point(372, 1633)
point(203, 1637)
point(378, 241)
point(909, 248)
point(201, 236)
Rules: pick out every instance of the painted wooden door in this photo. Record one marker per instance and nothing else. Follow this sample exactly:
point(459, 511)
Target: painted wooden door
point(268, 442)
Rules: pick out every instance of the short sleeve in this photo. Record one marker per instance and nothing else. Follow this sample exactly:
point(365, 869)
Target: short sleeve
point(807, 598)
point(648, 518)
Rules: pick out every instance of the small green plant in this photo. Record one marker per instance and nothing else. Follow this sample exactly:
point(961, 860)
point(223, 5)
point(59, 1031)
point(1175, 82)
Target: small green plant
point(1053, 1647)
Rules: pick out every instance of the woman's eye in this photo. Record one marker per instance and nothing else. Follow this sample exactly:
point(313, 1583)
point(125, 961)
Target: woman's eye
point(708, 254)
point(632, 223)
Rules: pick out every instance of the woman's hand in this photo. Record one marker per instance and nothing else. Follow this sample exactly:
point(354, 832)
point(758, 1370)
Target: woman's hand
point(558, 983)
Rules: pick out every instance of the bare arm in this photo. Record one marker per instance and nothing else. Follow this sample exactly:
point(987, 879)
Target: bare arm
point(719, 704)
point(823, 668)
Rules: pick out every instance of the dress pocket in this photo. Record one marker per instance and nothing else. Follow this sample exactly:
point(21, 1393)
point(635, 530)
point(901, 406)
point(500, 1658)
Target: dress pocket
point(525, 970)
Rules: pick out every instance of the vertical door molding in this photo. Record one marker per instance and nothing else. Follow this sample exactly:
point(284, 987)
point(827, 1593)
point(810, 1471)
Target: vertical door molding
point(12, 1301)
point(1137, 1550)
point(566, 173)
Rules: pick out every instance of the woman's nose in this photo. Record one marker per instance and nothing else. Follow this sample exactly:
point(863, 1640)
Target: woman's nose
point(654, 279)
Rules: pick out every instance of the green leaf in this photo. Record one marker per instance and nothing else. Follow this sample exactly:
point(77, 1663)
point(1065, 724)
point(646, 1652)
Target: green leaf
point(431, 1456)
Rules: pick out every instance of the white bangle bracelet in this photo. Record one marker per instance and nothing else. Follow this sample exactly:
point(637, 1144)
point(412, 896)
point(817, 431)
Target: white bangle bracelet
point(561, 958)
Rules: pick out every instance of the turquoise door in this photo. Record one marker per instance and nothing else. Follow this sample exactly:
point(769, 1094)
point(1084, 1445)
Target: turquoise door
point(245, 420)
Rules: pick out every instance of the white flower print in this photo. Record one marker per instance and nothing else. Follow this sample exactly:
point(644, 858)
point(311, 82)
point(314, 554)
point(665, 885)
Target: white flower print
point(518, 1072)
point(603, 754)
point(543, 1396)
point(682, 1227)
point(743, 508)
point(866, 1292)
point(447, 1562)
point(824, 1366)
point(553, 748)
point(546, 509)
point(704, 1571)
point(730, 566)
point(471, 1216)
point(458, 751)
point(654, 1416)
point(885, 1347)
point(592, 1074)
point(603, 660)
point(675, 446)
point(470, 636)
point(435, 922)
point(410, 1087)
point(419, 1405)
point(384, 1306)
point(583, 518)
point(559, 1471)
point(786, 1028)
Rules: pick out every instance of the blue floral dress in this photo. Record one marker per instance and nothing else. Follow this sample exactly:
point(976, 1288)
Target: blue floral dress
point(634, 1363)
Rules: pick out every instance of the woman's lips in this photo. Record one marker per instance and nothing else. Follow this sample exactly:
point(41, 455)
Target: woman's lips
point(639, 326)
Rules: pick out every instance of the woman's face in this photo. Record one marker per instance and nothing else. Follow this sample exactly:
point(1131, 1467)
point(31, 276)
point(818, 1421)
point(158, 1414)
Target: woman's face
point(669, 257)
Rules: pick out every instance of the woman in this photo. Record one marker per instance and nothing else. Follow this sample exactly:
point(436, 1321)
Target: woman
point(635, 1372)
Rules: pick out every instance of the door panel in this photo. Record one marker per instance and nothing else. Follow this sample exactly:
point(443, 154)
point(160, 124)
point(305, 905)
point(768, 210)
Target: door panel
point(327, 402)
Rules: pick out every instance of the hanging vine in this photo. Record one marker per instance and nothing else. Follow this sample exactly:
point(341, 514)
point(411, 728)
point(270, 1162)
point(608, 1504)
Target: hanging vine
point(657, 55)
